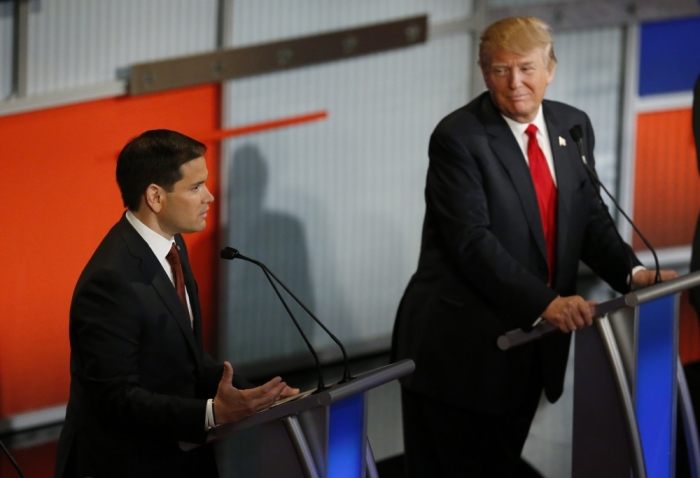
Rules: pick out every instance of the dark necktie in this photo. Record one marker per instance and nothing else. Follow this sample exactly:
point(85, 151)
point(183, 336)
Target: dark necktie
point(546, 195)
point(173, 259)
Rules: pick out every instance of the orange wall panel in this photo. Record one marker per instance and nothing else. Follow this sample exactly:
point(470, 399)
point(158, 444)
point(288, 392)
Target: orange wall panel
point(667, 186)
point(689, 332)
point(60, 197)
point(35, 462)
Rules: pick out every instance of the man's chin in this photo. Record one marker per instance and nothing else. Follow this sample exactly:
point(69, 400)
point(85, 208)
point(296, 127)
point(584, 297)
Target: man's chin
point(521, 113)
point(197, 228)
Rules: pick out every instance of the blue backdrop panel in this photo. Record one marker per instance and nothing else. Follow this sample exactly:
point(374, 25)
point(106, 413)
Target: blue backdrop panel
point(656, 362)
point(346, 438)
point(669, 61)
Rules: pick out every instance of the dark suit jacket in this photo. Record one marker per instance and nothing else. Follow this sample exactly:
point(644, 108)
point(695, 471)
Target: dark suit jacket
point(482, 268)
point(139, 376)
point(695, 258)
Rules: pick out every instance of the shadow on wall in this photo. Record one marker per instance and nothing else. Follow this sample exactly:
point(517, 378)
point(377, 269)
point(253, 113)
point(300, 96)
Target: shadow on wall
point(258, 327)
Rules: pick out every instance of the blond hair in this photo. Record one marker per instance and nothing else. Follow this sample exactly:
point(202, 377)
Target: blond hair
point(519, 35)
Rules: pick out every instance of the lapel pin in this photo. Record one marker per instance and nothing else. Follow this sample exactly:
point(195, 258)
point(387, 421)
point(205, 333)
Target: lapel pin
point(562, 141)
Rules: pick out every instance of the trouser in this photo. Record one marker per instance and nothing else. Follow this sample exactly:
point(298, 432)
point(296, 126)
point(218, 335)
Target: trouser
point(444, 440)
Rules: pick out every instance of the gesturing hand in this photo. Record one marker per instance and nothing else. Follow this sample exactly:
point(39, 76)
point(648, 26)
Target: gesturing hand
point(288, 392)
point(569, 313)
point(233, 405)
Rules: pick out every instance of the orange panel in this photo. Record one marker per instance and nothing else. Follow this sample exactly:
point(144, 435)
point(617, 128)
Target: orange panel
point(667, 187)
point(689, 332)
point(61, 197)
point(35, 462)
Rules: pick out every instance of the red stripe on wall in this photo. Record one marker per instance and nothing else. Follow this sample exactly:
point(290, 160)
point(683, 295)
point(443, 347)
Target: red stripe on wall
point(268, 125)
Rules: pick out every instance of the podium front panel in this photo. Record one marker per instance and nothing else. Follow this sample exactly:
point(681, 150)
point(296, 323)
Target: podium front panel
point(601, 444)
point(655, 384)
point(347, 438)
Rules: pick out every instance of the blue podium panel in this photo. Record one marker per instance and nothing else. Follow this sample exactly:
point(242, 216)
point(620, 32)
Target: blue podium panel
point(655, 394)
point(346, 440)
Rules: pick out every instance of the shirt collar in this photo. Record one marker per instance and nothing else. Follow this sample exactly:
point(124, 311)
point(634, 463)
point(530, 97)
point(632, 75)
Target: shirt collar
point(158, 244)
point(519, 128)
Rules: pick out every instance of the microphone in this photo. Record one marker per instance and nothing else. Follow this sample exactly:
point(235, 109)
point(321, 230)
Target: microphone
point(576, 133)
point(229, 253)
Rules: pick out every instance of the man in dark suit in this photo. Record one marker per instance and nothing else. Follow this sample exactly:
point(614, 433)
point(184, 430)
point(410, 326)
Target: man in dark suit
point(140, 380)
point(510, 211)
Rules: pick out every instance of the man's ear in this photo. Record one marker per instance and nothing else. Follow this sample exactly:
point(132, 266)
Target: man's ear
point(550, 72)
point(154, 197)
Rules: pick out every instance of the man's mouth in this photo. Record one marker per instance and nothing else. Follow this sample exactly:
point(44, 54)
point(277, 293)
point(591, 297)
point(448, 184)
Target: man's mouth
point(518, 97)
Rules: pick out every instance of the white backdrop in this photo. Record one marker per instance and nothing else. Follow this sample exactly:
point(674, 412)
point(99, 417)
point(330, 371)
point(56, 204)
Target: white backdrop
point(334, 207)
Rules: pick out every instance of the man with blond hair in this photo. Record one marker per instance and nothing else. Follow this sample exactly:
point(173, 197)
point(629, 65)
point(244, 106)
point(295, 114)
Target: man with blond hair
point(510, 212)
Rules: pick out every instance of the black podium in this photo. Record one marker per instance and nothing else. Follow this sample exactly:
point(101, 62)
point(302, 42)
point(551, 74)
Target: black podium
point(628, 384)
point(320, 435)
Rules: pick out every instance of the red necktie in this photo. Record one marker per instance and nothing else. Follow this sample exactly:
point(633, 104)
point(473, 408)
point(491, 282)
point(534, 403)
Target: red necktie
point(546, 195)
point(173, 259)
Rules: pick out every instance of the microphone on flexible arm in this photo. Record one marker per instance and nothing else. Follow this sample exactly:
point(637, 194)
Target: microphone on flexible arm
point(229, 253)
point(576, 133)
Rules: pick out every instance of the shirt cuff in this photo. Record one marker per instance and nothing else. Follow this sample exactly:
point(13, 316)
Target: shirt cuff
point(634, 271)
point(209, 422)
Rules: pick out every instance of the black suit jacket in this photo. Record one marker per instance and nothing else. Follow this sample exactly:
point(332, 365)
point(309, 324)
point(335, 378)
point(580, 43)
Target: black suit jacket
point(482, 268)
point(139, 376)
point(695, 257)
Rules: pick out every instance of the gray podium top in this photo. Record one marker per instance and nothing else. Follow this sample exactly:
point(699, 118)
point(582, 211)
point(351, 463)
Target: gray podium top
point(632, 299)
point(335, 393)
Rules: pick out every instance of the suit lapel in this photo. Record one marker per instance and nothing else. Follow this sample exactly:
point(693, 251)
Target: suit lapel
point(505, 146)
point(154, 272)
point(564, 156)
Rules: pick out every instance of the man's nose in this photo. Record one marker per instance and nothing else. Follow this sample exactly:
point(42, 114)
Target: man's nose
point(208, 197)
point(514, 80)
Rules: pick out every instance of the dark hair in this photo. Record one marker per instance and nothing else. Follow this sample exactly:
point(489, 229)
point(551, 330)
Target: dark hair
point(154, 157)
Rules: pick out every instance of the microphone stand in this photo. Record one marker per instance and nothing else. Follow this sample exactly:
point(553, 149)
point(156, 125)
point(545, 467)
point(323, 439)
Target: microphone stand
point(577, 135)
point(229, 253)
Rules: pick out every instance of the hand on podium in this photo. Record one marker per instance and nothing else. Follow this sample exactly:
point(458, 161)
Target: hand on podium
point(569, 313)
point(233, 405)
point(647, 277)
